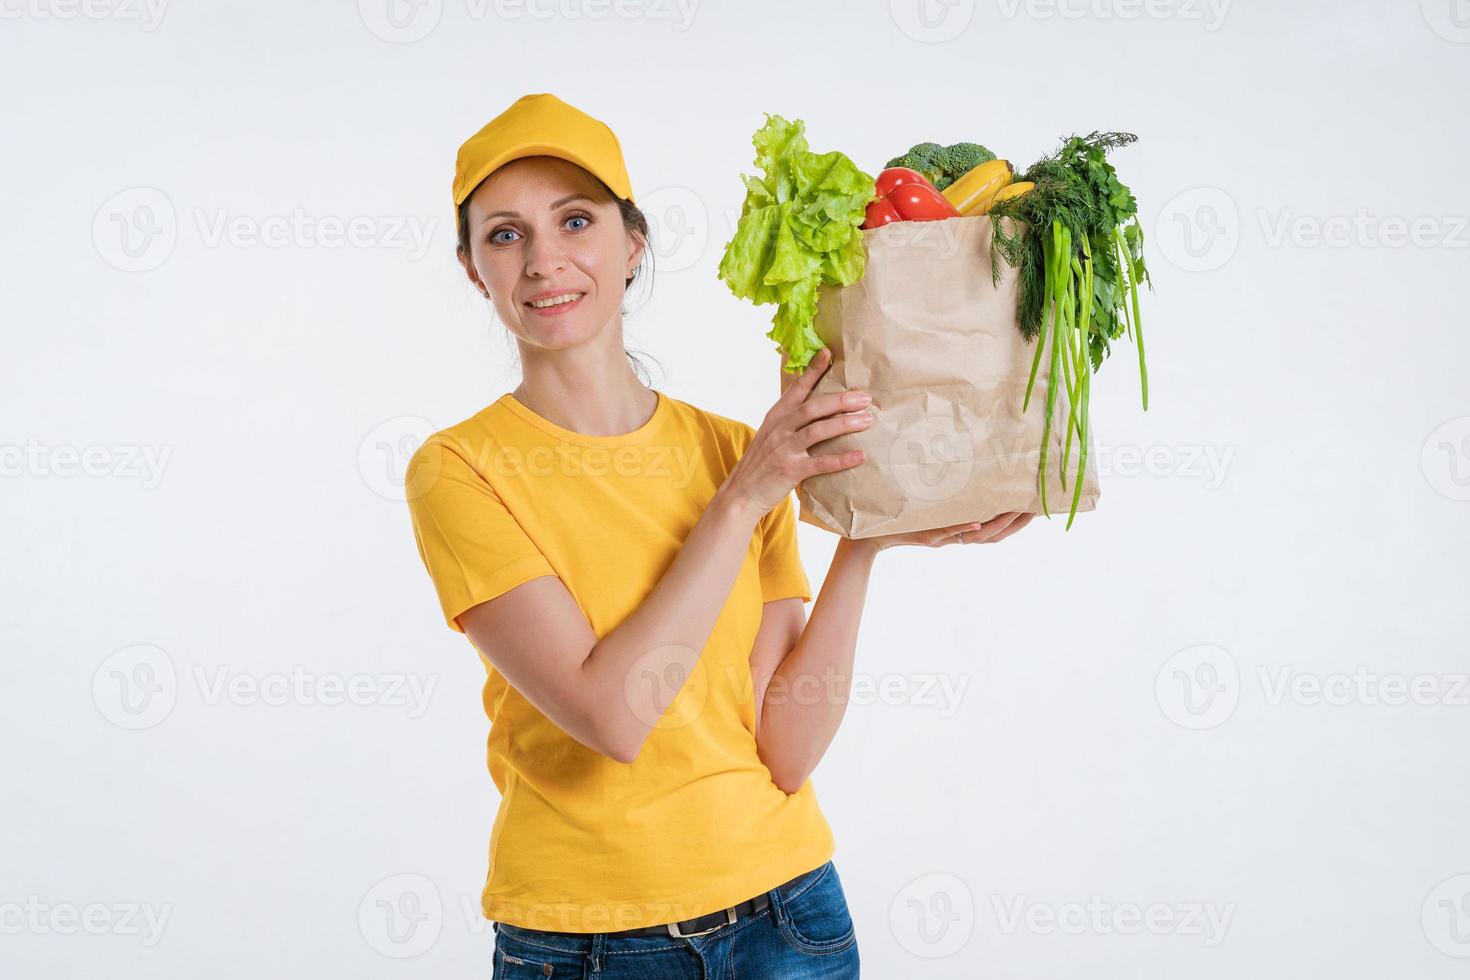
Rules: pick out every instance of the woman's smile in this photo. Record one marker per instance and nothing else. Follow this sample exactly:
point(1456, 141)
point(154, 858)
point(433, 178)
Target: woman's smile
point(552, 303)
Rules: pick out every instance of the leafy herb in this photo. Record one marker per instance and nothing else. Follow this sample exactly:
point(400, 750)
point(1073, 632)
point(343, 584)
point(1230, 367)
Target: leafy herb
point(1079, 262)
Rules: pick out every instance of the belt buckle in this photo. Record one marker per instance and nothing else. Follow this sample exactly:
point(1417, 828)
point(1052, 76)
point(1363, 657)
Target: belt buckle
point(729, 919)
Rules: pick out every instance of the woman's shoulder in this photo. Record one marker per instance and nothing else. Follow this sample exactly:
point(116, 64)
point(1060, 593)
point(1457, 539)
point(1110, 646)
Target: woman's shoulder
point(469, 438)
point(722, 427)
point(497, 424)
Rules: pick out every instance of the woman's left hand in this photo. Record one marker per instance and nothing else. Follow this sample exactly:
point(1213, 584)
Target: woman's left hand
point(996, 529)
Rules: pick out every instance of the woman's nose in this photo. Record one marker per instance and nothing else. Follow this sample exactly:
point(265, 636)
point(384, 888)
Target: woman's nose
point(544, 258)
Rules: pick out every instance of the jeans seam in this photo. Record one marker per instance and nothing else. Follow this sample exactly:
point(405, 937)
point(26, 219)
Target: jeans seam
point(808, 885)
point(799, 942)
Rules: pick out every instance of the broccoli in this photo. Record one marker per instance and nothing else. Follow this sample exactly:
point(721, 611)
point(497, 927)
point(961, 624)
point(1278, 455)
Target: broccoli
point(942, 165)
point(964, 157)
point(924, 158)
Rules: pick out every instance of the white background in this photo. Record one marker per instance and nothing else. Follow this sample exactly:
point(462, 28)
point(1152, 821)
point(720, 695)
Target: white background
point(203, 439)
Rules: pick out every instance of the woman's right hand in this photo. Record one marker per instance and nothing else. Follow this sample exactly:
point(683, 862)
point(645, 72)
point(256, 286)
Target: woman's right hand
point(777, 458)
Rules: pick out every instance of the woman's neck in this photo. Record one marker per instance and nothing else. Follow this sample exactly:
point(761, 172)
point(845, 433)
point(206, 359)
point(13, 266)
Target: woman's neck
point(591, 403)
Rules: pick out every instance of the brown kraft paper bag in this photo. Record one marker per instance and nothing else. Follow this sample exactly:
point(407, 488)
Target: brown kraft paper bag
point(937, 344)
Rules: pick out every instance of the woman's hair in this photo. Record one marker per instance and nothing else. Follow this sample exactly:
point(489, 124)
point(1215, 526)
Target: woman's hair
point(634, 222)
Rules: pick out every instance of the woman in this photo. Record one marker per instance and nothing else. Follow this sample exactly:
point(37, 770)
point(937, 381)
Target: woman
point(626, 565)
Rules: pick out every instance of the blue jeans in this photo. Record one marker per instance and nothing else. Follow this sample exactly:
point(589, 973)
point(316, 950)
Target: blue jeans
point(805, 932)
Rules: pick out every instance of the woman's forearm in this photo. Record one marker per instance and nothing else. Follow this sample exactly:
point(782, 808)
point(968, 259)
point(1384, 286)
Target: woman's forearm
point(637, 669)
point(808, 694)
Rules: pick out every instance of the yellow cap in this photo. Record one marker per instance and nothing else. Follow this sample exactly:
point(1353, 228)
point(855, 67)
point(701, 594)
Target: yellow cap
point(541, 125)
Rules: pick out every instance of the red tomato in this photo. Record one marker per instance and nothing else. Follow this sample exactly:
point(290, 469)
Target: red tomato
point(921, 202)
point(897, 177)
point(880, 212)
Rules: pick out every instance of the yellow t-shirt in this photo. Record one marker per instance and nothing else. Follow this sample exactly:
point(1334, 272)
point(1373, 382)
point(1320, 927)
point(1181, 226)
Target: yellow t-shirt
point(581, 842)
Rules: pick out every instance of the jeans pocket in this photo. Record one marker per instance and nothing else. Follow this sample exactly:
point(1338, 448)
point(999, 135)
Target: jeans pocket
point(817, 920)
point(522, 961)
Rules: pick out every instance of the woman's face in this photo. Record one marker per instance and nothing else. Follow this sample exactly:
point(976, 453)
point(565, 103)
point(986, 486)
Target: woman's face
point(542, 228)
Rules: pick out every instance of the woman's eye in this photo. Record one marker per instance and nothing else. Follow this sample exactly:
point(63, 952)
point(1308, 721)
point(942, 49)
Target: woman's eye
point(508, 236)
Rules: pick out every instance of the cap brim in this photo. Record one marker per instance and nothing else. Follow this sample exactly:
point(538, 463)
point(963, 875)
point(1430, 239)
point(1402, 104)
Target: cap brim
point(528, 150)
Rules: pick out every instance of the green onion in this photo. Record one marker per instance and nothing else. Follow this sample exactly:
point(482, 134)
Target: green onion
point(1137, 319)
point(1081, 299)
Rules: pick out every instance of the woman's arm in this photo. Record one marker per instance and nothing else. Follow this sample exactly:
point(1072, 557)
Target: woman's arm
point(801, 689)
point(640, 666)
point(610, 693)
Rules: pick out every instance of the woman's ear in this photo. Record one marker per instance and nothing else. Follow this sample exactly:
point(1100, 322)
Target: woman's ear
point(469, 270)
point(637, 254)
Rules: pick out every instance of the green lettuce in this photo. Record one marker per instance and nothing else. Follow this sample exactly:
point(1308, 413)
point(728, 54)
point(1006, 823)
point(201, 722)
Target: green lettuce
point(798, 230)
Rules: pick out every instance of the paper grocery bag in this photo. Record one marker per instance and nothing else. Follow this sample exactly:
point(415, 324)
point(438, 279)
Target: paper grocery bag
point(937, 344)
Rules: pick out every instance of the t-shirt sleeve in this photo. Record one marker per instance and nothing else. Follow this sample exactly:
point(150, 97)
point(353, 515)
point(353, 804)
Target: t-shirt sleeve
point(470, 542)
point(782, 574)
